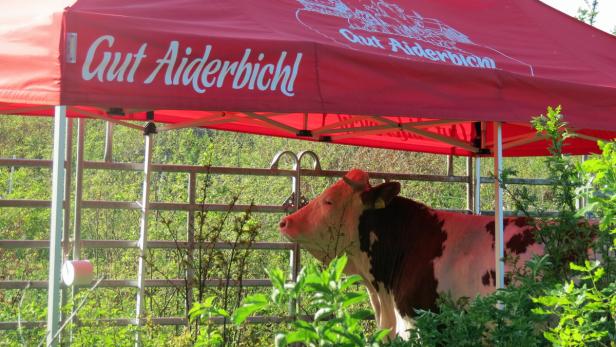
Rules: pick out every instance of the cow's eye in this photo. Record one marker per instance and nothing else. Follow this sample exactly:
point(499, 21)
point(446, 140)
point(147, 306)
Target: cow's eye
point(328, 202)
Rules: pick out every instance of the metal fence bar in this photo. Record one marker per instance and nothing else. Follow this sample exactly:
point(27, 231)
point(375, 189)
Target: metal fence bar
point(119, 244)
point(157, 321)
point(168, 206)
point(25, 203)
point(523, 181)
point(38, 163)
point(95, 165)
point(157, 283)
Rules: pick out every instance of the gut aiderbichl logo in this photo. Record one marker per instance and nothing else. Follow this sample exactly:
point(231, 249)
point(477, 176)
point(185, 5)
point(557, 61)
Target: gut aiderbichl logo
point(390, 29)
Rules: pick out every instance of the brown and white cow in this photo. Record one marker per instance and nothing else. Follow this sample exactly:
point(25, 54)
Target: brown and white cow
point(406, 252)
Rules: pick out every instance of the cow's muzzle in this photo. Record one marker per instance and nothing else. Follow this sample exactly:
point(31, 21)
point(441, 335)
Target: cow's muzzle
point(284, 225)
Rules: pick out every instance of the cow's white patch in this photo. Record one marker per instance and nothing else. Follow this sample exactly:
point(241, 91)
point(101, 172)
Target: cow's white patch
point(388, 308)
point(403, 325)
point(467, 255)
point(373, 238)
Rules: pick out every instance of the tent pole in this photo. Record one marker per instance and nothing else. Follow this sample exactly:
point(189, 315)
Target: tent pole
point(148, 132)
point(498, 207)
point(56, 227)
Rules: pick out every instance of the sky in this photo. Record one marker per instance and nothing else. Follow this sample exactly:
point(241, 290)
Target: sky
point(606, 19)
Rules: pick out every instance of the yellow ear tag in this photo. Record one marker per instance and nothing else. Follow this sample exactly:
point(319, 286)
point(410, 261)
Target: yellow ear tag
point(379, 204)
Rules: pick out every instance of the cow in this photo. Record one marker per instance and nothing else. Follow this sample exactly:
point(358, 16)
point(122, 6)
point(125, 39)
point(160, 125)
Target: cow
point(406, 252)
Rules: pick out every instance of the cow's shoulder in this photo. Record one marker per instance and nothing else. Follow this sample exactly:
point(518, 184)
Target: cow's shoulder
point(401, 242)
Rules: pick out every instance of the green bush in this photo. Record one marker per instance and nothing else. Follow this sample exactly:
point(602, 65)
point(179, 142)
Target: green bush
point(335, 322)
point(586, 312)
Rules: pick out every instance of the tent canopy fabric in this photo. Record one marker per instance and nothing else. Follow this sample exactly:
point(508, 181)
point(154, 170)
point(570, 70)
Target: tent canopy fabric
point(419, 75)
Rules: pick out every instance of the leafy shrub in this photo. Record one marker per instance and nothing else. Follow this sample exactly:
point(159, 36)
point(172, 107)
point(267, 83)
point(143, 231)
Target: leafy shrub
point(567, 237)
point(335, 323)
point(586, 313)
point(599, 173)
point(202, 313)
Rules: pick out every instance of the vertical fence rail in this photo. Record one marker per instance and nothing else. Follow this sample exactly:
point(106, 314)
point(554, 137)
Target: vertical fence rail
point(108, 156)
point(470, 186)
point(294, 253)
point(66, 246)
point(477, 184)
point(76, 242)
point(81, 134)
point(190, 238)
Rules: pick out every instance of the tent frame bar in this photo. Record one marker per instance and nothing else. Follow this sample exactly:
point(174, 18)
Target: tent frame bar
point(106, 118)
point(424, 133)
point(498, 208)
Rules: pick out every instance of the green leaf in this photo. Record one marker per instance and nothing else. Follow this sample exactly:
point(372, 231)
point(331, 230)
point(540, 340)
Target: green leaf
point(598, 274)
point(576, 267)
point(222, 312)
point(353, 298)
point(340, 264)
point(277, 277)
point(251, 305)
point(380, 335)
point(323, 312)
point(280, 340)
point(361, 314)
point(349, 281)
point(298, 336)
point(317, 287)
point(209, 301)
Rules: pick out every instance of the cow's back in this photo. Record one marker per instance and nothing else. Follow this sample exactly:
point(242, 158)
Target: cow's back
point(467, 266)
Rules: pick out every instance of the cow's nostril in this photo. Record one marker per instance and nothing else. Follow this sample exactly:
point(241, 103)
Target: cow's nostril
point(283, 223)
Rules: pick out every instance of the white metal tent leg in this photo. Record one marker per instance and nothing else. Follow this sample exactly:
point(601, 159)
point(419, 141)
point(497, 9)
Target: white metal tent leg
point(498, 207)
point(56, 227)
point(149, 131)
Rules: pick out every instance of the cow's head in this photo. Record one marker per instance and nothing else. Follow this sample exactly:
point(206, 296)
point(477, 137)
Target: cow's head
point(328, 225)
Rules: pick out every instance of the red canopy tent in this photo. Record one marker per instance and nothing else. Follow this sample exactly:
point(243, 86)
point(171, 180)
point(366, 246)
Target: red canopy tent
point(411, 75)
point(420, 75)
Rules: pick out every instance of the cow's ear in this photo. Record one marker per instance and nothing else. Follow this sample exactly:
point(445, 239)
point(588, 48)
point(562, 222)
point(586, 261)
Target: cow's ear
point(380, 196)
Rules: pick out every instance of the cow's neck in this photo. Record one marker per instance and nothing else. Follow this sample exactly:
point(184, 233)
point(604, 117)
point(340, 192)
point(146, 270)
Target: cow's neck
point(401, 241)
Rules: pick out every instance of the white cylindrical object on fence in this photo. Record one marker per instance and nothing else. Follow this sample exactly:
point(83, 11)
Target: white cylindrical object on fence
point(77, 272)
